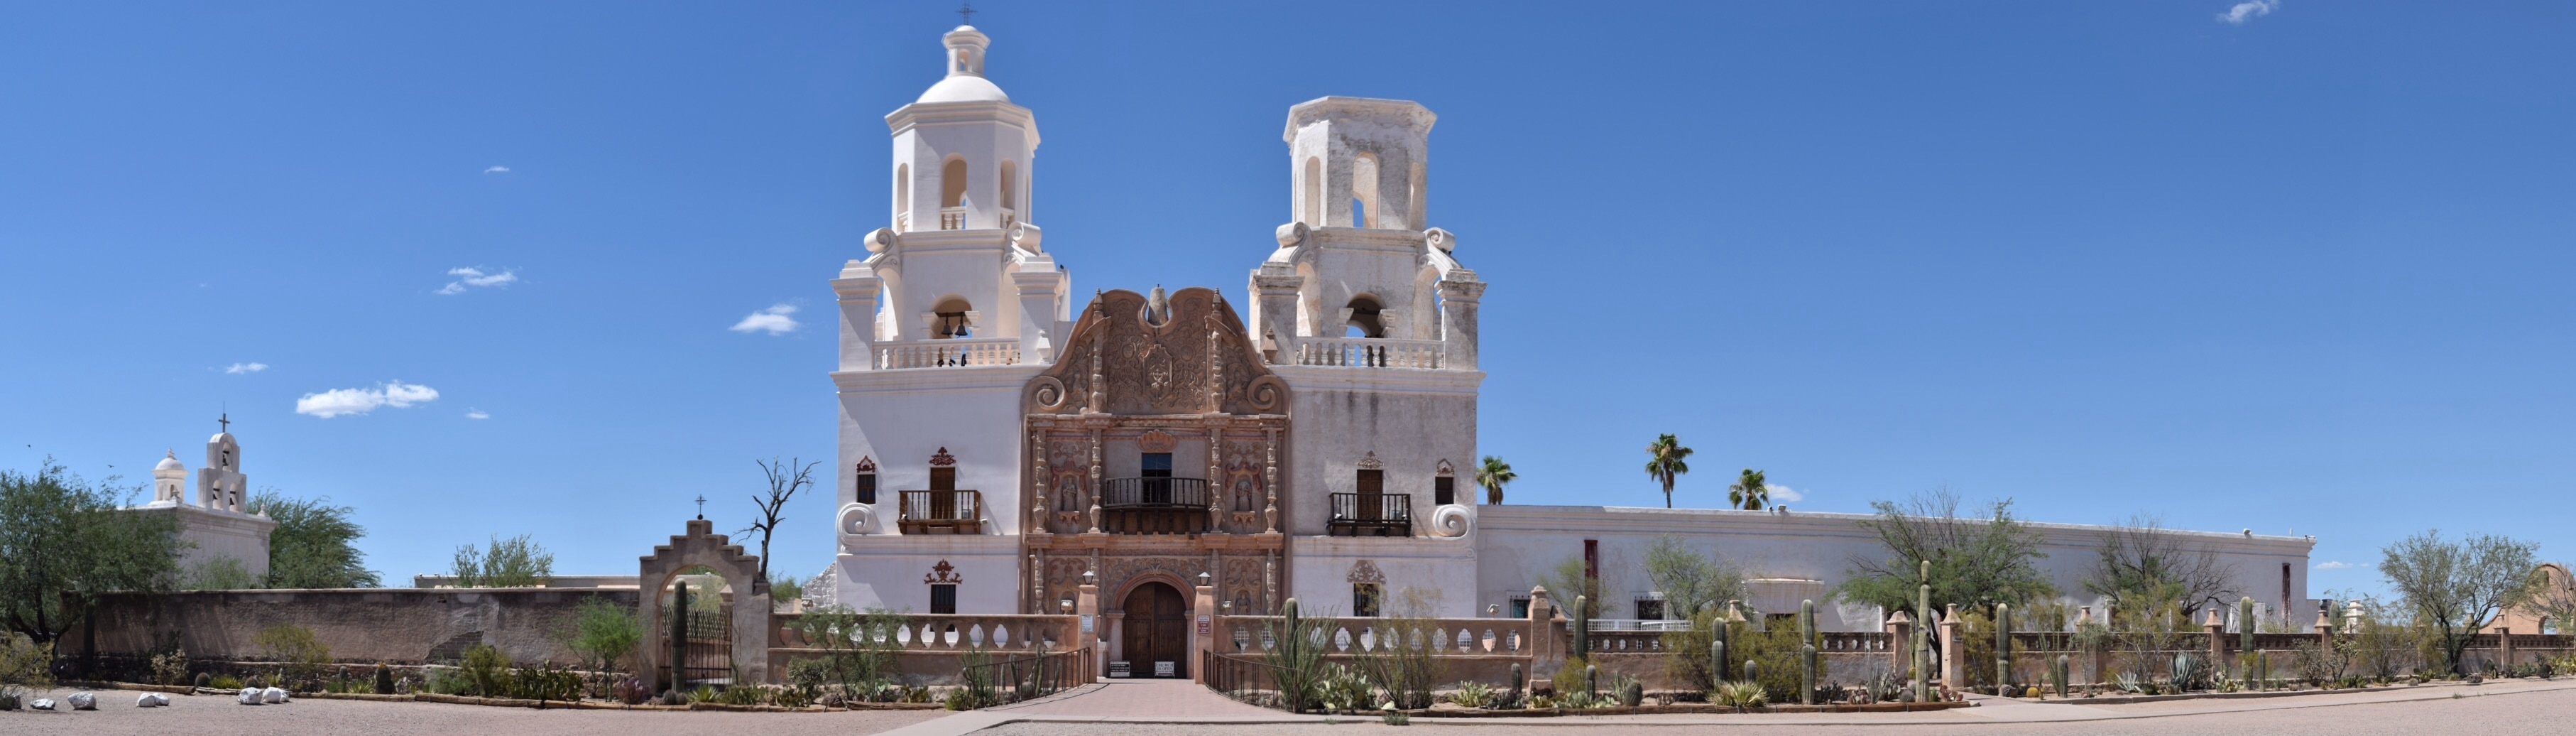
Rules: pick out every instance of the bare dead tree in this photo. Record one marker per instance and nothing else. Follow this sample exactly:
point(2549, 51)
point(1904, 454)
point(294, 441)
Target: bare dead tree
point(2139, 553)
point(784, 480)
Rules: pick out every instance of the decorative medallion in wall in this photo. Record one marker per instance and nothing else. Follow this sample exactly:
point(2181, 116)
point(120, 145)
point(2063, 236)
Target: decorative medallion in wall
point(943, 459)
point(942, 574)
point(1365, 571)
point(1156, 441)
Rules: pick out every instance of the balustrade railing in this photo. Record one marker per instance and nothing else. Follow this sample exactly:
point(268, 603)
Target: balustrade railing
point(1255, 635)
point(949, 353)
point(942, 512)
point(952, 218)
point(1154, 493)
point(1368, 352)
point(935, 632)
point(1370, 515)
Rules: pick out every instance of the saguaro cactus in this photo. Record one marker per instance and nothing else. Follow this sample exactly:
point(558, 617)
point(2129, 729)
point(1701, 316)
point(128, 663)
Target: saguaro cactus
point(1807, 652)
point(1923, 645)
point(1717, 657)
point(2057, 675)
point(2245, 637)
point(2003, 649)
point(1582, 628)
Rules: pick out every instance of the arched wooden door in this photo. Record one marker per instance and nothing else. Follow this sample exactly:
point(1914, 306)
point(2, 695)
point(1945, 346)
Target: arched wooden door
point(1156, 629)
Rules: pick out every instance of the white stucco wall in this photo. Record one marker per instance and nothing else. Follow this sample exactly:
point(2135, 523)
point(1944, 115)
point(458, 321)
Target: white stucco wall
point(1520, 544)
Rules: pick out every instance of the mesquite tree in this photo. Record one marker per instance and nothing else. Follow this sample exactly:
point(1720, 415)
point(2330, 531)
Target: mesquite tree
point(784, 480)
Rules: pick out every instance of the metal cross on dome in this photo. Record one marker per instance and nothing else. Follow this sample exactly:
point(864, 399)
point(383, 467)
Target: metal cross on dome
point(965, 14)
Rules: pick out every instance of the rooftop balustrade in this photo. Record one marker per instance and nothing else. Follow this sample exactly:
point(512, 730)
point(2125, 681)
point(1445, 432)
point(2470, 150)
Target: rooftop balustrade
point(956, 353)
point(1369, 352)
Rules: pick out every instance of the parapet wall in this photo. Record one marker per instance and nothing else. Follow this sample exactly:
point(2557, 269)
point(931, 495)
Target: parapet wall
point(393, 625)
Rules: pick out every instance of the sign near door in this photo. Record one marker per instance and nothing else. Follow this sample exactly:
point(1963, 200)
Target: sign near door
point(1118, 669)
point(1163, 669)
point(1204, 625)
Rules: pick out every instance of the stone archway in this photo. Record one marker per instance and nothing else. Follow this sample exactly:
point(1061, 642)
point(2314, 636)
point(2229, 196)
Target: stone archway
point(703, 549)
point(1154, 626)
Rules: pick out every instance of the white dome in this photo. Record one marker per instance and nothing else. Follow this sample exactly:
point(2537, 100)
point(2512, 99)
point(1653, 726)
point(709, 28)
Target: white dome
point(170, 462)
point(964, 88)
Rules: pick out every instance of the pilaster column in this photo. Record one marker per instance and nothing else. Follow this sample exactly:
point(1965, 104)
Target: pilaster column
point(858, 288)
point(1459, 294)
point(1950, 659)
point(1037, 292)
point(1274, 327)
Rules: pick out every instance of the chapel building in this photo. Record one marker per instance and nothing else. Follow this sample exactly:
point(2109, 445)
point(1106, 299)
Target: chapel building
point(1006, 441)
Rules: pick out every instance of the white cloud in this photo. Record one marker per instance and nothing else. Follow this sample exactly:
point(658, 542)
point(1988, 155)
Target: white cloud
point(338, 401)
point(774, 320)
point(497, 170)
point(476, 414)
point(1782, 494)
point(476, 277)
point(2248, 10)
point(241, 368)
point(2332, 565)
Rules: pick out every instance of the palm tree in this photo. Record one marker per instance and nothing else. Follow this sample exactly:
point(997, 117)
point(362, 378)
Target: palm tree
point(1667, 454)
point(1492, 474)
point(1748, 493)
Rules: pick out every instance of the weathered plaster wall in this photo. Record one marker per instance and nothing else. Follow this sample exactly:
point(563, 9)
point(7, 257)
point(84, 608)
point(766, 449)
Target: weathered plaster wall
point(396, 625)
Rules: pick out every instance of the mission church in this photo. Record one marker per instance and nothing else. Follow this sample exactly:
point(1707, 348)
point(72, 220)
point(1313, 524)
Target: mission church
point(1008, 445)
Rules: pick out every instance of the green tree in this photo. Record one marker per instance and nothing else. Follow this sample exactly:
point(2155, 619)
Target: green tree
point(2457, 588)
point(1665, 463)
point(1976, 561)
point(604, 633)
point(2141, 555)
point(314, 545)
point(219, 573)
point(517, 562)
point(63, 543)
point(1569, 579)
point(1749, 493)
point(1691, 582)
point(1493, 474)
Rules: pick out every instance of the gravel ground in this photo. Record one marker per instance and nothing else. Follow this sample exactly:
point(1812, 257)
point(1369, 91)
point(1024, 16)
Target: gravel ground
point(220, 716)
point(2497, 715)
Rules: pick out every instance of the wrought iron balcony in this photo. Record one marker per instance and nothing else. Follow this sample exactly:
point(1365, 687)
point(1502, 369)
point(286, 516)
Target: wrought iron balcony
point(1371, 515)
point(942, 512)
point(1154, 506)
point(1153, 493)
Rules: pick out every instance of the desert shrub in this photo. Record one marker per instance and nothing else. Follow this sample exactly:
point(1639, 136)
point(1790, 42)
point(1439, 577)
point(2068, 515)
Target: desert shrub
point(742, 695)
point(486, 671)
point(1296, 657)
point(547, 681)
point(978, 690)
point(226, 682)
point(24, 664)
point(300, 656)
point(170, 668)
point(1774, 655)
point(1569, 679)
point(1471, 694)
point(858, 657)
point(633, 691)
point(1403, 663)
point(1342, 688)
point(517, 562)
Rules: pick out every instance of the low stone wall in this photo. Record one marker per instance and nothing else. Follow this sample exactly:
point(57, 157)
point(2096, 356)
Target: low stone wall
point(393, 625)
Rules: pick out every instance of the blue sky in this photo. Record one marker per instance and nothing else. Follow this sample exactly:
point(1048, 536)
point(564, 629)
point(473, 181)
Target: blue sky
point(2307, 272)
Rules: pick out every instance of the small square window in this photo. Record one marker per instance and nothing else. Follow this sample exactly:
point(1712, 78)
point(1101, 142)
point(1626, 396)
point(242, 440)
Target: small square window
point(1520, 606)
point(1444, 490)
point(1649, 609)
point(1364, 600)
point(867, 487)
point(943, 598)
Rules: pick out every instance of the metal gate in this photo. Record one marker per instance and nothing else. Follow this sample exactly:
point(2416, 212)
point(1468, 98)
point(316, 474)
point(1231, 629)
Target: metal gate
point(707, 654)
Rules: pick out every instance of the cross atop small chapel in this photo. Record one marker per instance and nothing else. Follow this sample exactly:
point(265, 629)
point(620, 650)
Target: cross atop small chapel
point(965, 14)
point(702, 507)
point(224, 420)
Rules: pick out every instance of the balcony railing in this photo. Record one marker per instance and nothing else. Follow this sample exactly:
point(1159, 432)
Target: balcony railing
point(1363, 352)
point(949, 353)
point(942, 512)
point(1371, 515)
point(1154, 493)
point(952, 218)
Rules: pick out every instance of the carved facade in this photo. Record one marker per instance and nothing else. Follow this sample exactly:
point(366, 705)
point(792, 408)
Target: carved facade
point(1156, 448)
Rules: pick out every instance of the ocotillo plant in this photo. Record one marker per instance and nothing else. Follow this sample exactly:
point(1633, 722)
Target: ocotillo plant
point(2003, 649)
point(1582, 628)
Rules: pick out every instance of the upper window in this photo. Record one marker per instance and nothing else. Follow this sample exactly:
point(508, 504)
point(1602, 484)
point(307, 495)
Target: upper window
point(1365, 599)
point(943, 598)
point(1157, 465)
point(1364, 204)
point(1650, 609)
point(1314, 192)
point(866, 485)
point(1444, 490)
point(1367, 318)
point(952, 183)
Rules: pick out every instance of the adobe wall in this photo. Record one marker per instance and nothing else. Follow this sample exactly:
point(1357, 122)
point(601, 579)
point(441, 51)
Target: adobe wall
point(394, 625)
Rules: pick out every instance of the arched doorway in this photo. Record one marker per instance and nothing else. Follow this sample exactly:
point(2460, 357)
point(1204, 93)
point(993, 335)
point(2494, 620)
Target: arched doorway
point(697, 603)
point(1155, 629)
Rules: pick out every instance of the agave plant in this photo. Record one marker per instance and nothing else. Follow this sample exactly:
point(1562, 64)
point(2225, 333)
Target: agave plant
point(1741, 695)
point(2189, 673)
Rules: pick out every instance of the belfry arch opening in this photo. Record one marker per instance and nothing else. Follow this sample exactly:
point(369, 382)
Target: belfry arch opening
point(952, 183)
point(951, 319)
point(1367, 318)
point(902, 197)
point(1364, 204)
point(1314, 192)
